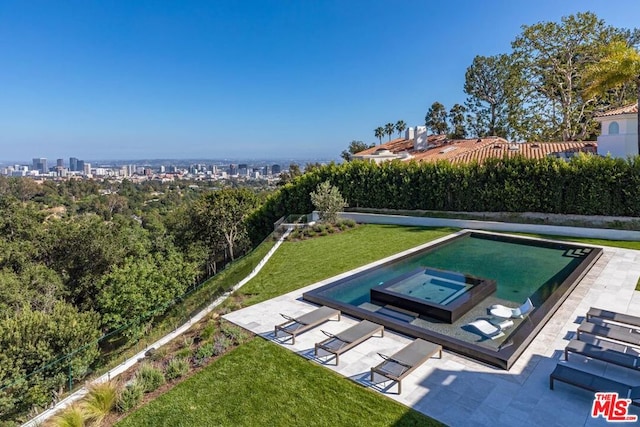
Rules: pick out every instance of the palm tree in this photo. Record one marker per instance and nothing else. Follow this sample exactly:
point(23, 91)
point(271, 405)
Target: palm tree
point(400, 127)
point(379, 132)
point(620, 64)
point(389, 129)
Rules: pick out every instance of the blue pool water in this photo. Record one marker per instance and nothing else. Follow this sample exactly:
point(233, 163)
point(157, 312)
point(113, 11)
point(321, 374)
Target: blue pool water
point(521, 270)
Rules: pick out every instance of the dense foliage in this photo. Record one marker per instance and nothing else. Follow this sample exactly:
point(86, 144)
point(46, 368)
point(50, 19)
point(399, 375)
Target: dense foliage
point(81, 261)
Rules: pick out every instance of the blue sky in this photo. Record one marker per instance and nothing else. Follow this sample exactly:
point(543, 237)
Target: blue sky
point(242, 79)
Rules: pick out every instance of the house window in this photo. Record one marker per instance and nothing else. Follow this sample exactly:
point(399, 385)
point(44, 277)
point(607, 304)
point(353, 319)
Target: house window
point(614, 128)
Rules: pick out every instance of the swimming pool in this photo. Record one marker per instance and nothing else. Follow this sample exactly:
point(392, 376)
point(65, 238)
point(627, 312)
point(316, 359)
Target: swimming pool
point(519, 268)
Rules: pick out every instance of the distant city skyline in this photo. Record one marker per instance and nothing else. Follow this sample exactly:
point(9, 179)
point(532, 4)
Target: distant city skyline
point(242, 80)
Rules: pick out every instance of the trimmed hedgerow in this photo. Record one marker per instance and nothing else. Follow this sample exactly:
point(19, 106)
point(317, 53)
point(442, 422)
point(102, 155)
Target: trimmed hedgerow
point(586, 185)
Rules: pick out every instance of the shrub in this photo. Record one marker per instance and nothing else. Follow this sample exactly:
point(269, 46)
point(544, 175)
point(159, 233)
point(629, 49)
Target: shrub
point(156, 354)
point(72, 416)
point(328, 200)
point(208, 331)
point(187, 342)
point(100, 400)
point(221, 344)
point(348, 223)
point(129, 397)
point(235, 333)
point(295, 234)
point(149, 377)
point(183, 353)
point(176, 368)
point(204, 352)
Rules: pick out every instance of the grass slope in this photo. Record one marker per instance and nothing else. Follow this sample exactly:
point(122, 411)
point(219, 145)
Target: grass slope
point(262, 384)
point(298, 264)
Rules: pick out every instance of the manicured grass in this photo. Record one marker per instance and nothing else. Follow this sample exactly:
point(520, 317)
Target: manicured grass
point(638, 285)
point(262, 384)
point(298, 264)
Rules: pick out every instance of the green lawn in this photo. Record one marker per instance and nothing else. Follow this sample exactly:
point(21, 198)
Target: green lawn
point(262, 384)
point(298, 264)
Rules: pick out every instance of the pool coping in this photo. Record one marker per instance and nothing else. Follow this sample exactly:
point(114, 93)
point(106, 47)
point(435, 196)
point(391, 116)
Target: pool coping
point(519, 338)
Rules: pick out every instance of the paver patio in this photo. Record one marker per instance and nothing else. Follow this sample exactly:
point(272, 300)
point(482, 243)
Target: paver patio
point(460, 391)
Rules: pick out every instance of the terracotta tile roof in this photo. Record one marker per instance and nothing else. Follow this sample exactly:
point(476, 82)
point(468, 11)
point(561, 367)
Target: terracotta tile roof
point(627, 109)
point(480, 149)
point(500, 149)
point(395, 146)
point(399, 144)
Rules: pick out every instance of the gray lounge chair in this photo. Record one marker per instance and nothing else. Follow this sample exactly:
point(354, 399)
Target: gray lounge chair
point(349, 338)
point(615, 346)
point(294, 326)
point(610, 331)
point(406, 360)
point(627, 319)
point(594, 383)
point(602, 353)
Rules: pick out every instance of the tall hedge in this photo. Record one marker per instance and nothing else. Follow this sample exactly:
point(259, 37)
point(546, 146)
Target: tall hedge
point(587, 185)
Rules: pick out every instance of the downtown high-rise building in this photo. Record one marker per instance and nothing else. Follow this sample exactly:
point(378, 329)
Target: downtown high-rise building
point(40, 164)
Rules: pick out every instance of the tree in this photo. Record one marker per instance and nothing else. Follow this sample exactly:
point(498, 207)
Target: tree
point(354, 147)
point(436, 119)
point(400, 127)
point(379, 132)
point(487, 82)
point(456, 116)
point(141, 289)
point(328, 201)
point(551, 59)
point(227, 210)
point(388, 129)
point(30, 341)
point(289, 176)
point(620, 65)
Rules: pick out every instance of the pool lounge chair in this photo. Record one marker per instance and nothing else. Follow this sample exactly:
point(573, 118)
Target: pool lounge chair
point(294, 326)
point(605, 343)
point(507, 312)
point(406, 360)
point(595, 383)
point(349, 338)
point(615, 332)
point(601, 352)
point(490, 330)
point(607, 315)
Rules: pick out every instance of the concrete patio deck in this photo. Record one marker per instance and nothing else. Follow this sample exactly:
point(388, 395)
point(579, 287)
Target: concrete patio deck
point(459, 391)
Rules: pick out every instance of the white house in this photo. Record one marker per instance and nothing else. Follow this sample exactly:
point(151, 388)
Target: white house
point(619, 134)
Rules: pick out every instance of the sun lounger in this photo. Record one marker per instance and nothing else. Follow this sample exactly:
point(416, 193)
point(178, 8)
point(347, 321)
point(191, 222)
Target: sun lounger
point(349, 338)
point(610, 331)
point(507, 312)
point(298, 325)
point(615, 346)
point(490, 330)
point(627, 319)
point(602, 353)
point(594, 383)
point(405, 361)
